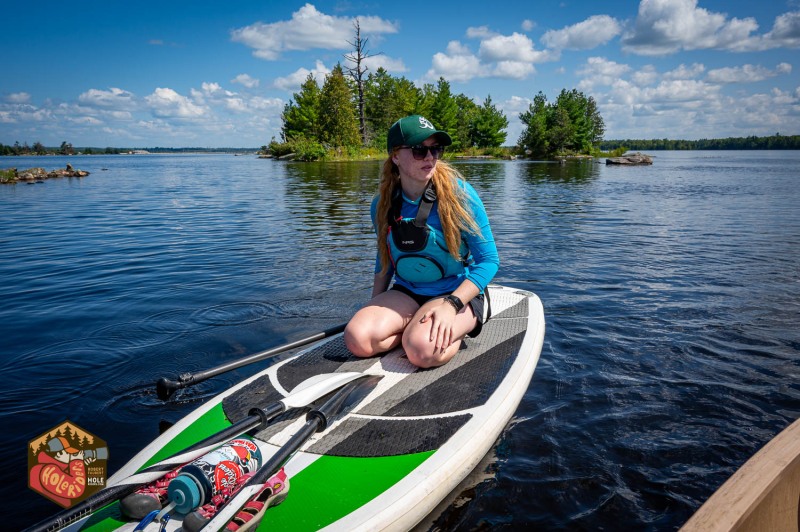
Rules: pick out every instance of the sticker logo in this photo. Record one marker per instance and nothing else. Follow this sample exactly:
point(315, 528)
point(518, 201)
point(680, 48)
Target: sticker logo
point(67, 464)
point(424, 124)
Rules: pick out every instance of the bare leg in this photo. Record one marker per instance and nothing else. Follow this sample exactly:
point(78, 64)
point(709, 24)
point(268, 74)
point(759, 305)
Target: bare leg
point(378, 326)
point(421, 351)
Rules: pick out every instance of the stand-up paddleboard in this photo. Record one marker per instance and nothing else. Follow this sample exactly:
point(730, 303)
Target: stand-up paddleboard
point(393, 457)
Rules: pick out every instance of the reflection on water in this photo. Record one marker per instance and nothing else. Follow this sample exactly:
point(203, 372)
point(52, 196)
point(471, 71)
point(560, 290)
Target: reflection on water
point(671, 292)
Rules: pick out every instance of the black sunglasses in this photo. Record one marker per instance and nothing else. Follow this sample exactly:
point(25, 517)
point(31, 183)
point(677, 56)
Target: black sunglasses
point(420, 152)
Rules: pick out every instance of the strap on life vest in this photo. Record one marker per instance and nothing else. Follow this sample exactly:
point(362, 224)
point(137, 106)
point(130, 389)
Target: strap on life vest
point(424, 210)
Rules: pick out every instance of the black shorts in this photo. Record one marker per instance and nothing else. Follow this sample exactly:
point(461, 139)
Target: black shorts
point(479, 304)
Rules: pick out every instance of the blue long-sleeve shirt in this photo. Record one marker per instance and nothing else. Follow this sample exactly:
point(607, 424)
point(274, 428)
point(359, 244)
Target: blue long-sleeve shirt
point(481, 246)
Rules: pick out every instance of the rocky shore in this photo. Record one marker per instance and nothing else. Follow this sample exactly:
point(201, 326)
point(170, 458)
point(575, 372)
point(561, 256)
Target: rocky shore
point(38, 175)
point(631, 159)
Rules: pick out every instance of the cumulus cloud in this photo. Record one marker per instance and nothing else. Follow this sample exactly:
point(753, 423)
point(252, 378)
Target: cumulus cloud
point(114, 97)
point(18, 97)
point(601, 71)
point(514, 47)
point(246, 80)
point(668, 26)
point(307, 29)
point(166, 103)
point(785, 32)
point(590, 33)
point(458, 64)
point(501, 56)
point(685, 72)
point(746, 73)
point(389, 64)
point(647, 103)
point(292, 82)
point(528, 25)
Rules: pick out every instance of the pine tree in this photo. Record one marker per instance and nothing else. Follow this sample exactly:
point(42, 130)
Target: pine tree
point(444, 110)
point(338, 120)
point(534, 137)
point(301, 116)
point(488, 126)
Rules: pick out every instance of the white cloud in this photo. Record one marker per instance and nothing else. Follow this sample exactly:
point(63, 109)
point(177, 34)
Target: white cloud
point(513, 70)
point(684, 72)
point(646, 75)
point(308, 29)
point(246, 80)
point(499, 56)
point(688, 101)
point(18, 97)
point(292, 82)
point(116, 98)
point(590, 33)
point(166, 103)
point(668, 26)
point(784, 33)
point(746, 73)
point(387, 63)
point(599, 71)
point(456, 65)
point(528, 25)
point(480, 32)
point(514, 47)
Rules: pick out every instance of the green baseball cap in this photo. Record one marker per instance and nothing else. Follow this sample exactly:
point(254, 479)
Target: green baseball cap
point(413, 130)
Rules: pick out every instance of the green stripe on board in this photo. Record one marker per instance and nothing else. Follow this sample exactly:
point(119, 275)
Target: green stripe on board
point(209, 423)
point(334, 486)
point(213, 421)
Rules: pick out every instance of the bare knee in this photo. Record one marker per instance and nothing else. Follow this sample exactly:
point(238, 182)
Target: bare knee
point(358, 341)
point(422, 352)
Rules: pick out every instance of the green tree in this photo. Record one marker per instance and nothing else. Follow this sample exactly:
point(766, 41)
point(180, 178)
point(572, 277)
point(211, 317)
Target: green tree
point(444, 111)
point(465, 118)
point(301, 115)
point(387, 99)
point(533, 140)
point(338, 121)
point(571, 124)
point(487, 127)
point(66, 149)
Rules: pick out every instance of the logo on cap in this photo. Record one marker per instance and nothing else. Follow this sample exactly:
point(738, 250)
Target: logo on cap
point(423, 123)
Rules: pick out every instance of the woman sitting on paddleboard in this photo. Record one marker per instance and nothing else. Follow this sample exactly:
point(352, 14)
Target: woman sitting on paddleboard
point(434, 239)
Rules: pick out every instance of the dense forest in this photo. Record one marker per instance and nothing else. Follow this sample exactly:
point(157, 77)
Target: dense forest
point(65, 149)
point(775, 142)
point(319, 119)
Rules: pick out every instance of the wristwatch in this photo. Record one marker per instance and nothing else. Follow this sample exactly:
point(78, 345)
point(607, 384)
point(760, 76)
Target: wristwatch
point(455, 301)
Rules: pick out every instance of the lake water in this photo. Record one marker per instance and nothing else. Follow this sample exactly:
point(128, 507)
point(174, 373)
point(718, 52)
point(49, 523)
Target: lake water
point(671, 293)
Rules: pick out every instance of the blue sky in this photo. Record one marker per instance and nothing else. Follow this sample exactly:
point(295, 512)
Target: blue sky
point(214, 74)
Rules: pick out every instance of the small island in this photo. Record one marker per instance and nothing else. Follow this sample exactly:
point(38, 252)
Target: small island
point(631, 159)
point(38, 175)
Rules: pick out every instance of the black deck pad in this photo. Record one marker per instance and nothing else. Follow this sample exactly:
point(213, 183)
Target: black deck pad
point(443, 393)
point(360, 437)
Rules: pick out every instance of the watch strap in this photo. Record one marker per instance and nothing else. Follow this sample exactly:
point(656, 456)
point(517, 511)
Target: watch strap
point(455, 301)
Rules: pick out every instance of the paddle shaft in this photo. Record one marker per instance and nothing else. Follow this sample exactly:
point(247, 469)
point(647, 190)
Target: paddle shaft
point(165, 387)
point(257, 418)
point(317, 420)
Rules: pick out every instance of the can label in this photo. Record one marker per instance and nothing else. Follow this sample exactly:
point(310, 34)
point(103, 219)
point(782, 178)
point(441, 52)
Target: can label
point(224, 466)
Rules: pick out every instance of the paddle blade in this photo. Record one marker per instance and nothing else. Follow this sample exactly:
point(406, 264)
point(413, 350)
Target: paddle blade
point(316, 387)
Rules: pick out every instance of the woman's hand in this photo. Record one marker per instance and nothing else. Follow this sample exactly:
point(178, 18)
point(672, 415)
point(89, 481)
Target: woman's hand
point(442, 318)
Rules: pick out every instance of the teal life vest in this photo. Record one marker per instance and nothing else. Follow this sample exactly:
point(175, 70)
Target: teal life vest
point(418, 251)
